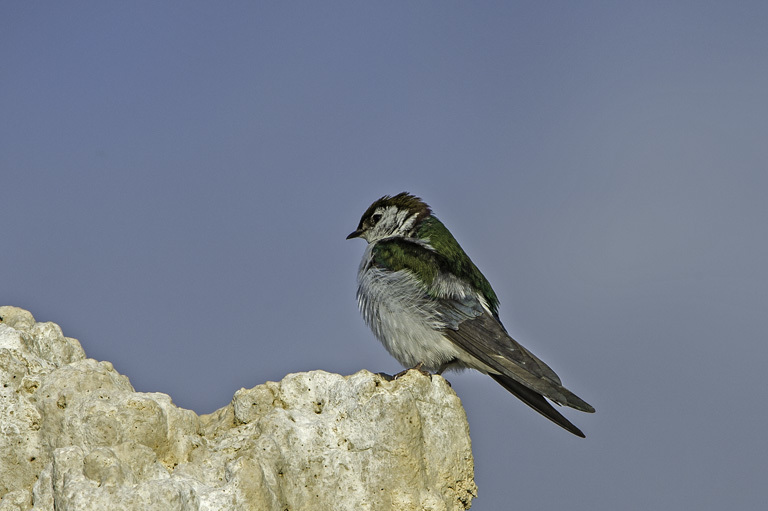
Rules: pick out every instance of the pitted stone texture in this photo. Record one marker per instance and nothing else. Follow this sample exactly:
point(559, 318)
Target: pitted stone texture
point(76, 434)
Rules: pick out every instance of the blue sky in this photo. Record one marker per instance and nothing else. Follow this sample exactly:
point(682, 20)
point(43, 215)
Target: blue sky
point(178, 179)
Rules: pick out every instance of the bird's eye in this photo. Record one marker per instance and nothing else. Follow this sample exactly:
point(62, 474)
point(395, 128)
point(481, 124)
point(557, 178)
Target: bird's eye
point(375, 218)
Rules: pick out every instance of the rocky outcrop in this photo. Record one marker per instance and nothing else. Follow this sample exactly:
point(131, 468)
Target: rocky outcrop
point(76, 436)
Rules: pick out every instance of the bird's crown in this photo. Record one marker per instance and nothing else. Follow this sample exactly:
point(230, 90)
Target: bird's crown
point(398, 215)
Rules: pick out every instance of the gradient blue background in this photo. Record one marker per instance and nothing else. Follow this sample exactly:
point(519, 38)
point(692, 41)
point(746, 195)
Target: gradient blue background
point(178, 179)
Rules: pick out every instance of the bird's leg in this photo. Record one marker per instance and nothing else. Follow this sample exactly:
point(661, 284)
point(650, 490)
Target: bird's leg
point(417, 367)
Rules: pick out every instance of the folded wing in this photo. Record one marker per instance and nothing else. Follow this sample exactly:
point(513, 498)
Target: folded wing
point(480, 334)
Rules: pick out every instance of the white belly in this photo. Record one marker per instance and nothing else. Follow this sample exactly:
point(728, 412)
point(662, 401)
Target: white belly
point(403, 318)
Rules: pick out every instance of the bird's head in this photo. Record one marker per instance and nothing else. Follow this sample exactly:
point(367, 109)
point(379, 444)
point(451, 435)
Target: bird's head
point(391, 216)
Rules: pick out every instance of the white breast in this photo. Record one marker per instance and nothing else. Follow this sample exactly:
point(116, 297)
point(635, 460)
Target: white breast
point(395, 306)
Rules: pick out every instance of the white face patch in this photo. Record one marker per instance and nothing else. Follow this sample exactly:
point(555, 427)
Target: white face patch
point(393, 222)
point(408, 223)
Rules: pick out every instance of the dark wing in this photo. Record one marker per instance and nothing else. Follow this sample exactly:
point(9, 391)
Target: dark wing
point(537, 402)
point(518, 370)
point(472, 327)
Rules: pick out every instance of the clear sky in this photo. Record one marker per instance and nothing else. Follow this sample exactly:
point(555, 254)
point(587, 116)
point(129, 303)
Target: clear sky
point(177, 179)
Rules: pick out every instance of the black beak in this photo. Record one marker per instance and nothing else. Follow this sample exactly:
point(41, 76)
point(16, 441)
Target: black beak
point(355, 234)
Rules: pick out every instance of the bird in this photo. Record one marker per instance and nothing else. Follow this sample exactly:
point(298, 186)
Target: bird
point(433, 309)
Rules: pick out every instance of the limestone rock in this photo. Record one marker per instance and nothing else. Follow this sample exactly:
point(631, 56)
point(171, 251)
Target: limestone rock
point(75, 435)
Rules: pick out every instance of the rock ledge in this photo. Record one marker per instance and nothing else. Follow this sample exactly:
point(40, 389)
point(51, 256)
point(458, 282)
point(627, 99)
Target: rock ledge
point(76, 436)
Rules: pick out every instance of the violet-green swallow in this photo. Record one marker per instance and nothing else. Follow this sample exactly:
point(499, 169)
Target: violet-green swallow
point(431, 307)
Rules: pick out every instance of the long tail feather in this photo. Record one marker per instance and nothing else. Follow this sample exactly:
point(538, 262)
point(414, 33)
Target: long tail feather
point(537, 402)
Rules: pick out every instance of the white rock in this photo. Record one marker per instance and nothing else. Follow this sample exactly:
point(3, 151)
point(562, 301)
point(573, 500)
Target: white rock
point(75, 435)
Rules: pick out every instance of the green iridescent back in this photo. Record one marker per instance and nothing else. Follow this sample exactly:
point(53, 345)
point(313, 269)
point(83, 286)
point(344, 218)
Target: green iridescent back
point(448, 256)
point(455, 260)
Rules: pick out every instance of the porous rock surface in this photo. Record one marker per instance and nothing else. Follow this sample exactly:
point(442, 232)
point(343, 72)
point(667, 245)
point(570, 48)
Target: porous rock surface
point(74, 435)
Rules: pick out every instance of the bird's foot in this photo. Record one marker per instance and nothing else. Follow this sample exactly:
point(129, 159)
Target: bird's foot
point(417, 367)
